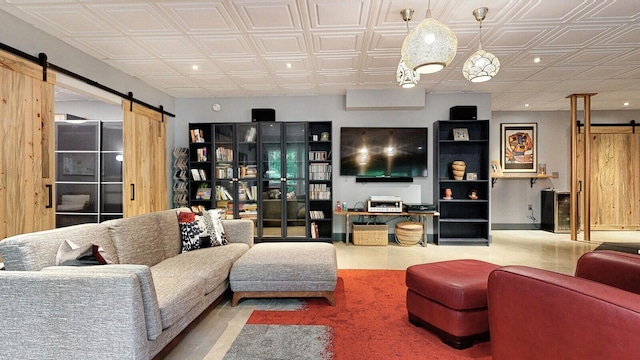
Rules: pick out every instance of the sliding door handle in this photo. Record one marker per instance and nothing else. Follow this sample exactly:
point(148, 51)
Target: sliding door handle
point(133, 192)
point(50, 190)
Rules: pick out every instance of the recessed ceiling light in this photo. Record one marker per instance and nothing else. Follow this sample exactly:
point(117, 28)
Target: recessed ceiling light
point(526, 105)
point(626, 103)
point(288, 65)
point(536, 60)
point(195, 67)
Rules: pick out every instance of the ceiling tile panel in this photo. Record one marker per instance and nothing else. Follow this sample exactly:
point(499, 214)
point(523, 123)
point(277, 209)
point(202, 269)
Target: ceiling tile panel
point(241, 65)
point(228, 45)
point(337, 42)
point(116, 47)
point(198, 18)
point(147, 67)
point(331, 62)
point(387, 41)
point(332, 15)
point(185, 66)
point(57, 18)
point(134, 19)
point(576, 37)
point(169, 46)
point(388, 62)
point(335, 78)
point(269, 15)
point(278, 65)
point(274, 44)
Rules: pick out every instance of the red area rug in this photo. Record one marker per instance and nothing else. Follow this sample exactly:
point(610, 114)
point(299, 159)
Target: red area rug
point(370, 321)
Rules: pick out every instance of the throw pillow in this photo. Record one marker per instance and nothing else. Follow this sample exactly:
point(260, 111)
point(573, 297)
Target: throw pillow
point(189, 231)
point(219, 236)
point(71, 254)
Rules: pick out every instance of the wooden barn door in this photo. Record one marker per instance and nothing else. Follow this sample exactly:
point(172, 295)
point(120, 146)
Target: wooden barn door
point(615, 177)
point(27, 147)
point(145, 175)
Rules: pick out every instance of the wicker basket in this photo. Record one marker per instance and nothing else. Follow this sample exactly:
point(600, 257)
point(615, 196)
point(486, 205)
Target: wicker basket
point(408, 233)
point(370, 234)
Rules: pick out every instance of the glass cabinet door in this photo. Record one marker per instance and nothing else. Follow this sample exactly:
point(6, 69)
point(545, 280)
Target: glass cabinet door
point(271, 176)
point(247, 175)
point(296, 185)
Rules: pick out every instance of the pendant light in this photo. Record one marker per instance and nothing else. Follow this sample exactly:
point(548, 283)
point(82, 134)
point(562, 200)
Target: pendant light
point(430, 46)
point(482, 65)
point(406, 77)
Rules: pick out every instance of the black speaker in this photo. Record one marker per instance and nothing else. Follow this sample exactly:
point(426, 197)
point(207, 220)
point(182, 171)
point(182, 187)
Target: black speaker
point(465, 112)
point(263, 115)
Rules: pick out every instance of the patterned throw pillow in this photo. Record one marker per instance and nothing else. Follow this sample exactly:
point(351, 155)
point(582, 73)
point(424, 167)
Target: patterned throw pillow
point(189, 231)
point(71, 254)
point(218, 234)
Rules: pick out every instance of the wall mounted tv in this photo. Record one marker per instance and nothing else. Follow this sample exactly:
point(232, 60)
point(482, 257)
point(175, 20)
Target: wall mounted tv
point(383, 154)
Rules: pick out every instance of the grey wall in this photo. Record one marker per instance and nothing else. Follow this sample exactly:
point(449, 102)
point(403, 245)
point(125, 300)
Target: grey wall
point(332, 108)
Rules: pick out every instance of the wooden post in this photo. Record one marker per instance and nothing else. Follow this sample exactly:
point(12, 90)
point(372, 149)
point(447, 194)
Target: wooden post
point(586, 165)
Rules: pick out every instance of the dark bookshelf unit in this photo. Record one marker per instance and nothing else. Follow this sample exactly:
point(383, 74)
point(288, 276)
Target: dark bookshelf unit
point(463, 220)
point(277, 174)
point(320, 181)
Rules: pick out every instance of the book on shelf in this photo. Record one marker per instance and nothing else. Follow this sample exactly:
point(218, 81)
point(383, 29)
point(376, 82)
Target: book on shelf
point(246, 190)
point(223, 154)
point(320, 171)
point(316, 214)
point(250, 136)
point(203, 175)
point(319, 192)
point(317, 155)
point(201, 154)
point(197, 135)
point(223, 194)
point(195, 174)
point(313, 227)
point(251, 171)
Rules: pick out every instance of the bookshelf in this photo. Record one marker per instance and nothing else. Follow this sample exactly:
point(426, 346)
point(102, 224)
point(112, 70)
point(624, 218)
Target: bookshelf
point(320, 180)
point(463, 220)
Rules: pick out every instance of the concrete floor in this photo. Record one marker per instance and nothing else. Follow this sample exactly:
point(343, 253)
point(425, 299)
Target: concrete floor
point(556, 252)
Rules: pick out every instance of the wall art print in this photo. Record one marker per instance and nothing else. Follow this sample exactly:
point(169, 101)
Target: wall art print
point(519, 147)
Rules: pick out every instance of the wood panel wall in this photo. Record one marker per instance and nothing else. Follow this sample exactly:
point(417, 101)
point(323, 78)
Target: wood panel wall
point(615, 177)
point(145, 174)
point(27, 147)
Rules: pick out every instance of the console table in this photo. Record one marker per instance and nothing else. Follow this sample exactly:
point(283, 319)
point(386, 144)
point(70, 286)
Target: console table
point(422, 215)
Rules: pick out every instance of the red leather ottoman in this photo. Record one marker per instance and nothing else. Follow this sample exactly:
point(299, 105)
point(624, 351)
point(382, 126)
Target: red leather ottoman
point(450, 299)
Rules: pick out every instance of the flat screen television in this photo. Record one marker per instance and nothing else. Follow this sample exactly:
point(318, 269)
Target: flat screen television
point(383, 152)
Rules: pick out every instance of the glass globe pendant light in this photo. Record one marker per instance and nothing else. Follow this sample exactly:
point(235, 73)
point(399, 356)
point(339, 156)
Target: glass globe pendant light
point(482, 65)
point(430, 46)
point(406, 77)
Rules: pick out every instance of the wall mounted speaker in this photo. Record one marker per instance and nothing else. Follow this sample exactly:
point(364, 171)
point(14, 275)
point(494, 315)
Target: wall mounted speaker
point(263, 115)
point(465, 112)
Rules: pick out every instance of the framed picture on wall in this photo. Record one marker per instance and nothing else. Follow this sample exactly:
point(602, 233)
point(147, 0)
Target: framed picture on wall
point(519, 147)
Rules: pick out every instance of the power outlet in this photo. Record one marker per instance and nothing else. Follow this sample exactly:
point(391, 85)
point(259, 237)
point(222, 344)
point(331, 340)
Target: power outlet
point(529, 207)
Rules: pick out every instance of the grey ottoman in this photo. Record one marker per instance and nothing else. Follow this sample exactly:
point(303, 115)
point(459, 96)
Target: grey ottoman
point(271, 270)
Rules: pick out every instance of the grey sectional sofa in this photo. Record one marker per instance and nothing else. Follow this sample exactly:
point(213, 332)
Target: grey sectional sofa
point(129, 310)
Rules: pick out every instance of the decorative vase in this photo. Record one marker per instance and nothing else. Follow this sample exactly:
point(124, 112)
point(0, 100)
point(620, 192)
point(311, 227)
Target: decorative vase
point(458, 167)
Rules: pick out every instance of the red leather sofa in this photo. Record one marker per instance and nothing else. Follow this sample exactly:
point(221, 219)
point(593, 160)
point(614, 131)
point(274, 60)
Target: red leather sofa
point(539, 314)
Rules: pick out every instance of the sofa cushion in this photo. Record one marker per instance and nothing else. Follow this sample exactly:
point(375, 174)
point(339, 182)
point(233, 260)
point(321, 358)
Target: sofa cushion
point(137, 239)
point(37, 250)
point(72, 254)
point(177, 294)
point(170, 231)
point(149, 299)
point(212, 265)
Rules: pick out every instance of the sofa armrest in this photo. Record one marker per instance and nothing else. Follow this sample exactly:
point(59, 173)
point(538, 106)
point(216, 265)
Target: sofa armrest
point(614, 268)
point(239, 231)
point(71, 316)
point(538, 314)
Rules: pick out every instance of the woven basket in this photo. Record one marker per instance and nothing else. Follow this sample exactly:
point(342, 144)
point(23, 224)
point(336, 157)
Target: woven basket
point(408, 233)
point(370, 235)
